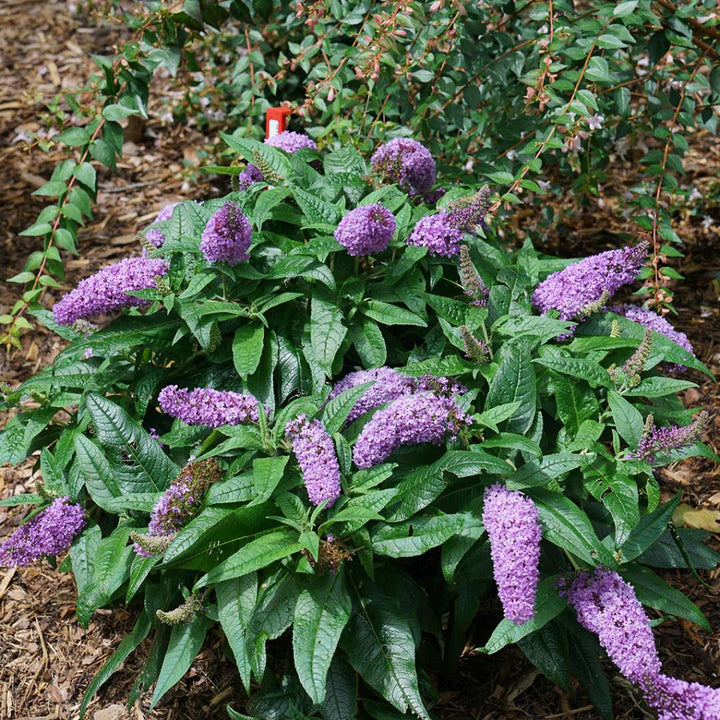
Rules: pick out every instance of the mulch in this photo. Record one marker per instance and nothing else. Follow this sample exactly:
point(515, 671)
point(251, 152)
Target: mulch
point(47, 658)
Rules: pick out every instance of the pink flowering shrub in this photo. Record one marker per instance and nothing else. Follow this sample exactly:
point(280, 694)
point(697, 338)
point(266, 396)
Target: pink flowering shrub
point(332, 407)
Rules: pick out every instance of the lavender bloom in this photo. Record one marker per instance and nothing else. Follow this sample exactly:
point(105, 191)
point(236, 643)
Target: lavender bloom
point(438, 234)
point(679, 700)
point(666, 439)
point(607, 606)
point(410, 420)
point(655, 322)
point(570, 290)
point(226, 237)
point(389, 385)
point(249, 176)
point(511, 521)
point(106, 291)
point(315, 453)
point(291, 141)
point(407, 163)
point(207, 406)
point(50, 532)
point(156, 236)
point(180, 502)
point(366, 230)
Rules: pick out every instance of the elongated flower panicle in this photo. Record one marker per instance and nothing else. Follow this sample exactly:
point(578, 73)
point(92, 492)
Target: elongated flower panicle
point(466, 213)
point(291, 141)
point(571, 290)
point(49, 533)
point(668, 438)
point(155, 235)
point(424, 417)
point(315, 452)
point(472, 284)
point(207, 406)
point(511, 521)
point(179, 503)
point(227, 235)
point(656, 322)
point(106, 291)
point(407, 163)
point(388, 385)
point(366, 230)
point(438, 234)
point(607, 606)
point(249, 176)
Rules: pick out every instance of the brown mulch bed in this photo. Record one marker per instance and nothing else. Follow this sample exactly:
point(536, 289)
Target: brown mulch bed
point(47, 658)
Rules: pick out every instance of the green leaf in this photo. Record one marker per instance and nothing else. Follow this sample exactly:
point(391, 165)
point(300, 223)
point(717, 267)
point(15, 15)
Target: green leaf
point(337, 410)
point(139, 570)
point(25, 499)
point(321, 614)
point(515, 382)
point(326, 329)
point(388, 314)
point(656, 593)
point(340, 701)
point(127, 645)
point(118, 112)
point(598, 70)
point(74, 137)
point(623, 9)
point(236, 602)
point(369, 342)
point(315, 209)
point(85, 173)
point(247, 348)
point(267, 473)
point(54, 188)
point(96, 472)
point(648, 530)
point(575, 368)
point(628, 419)
point(256, 555)
point(416, 536)
point(548, 605)
point(380, 646)
point(186, 640)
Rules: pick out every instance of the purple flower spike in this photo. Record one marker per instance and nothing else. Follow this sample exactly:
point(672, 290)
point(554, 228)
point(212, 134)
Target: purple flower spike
point(315, 453)
point(291, 141)
point(156, 236)
point(106, 291)
point(249, 176)
point(366, 230)
point(207, 406)
point(438, 234)
point(679, 700)
point(226, 237)
point(607, 606)
point(410, 420)
point(667, 438)
point(407, 163)
point(655, 322)
point(511, 521)
point(50, 533)
point(571, 290)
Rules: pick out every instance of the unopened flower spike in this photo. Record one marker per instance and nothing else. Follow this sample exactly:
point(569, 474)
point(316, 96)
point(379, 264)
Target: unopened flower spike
point(181, 614)
point(615, 329)
point(270, 175)
point(594, 307)
point(474, 349)
point(147, 545)
point(472, 284)
point(161, 285)
point(636, 362)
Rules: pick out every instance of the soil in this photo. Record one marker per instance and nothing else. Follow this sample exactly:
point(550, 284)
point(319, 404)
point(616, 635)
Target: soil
point(47, 658)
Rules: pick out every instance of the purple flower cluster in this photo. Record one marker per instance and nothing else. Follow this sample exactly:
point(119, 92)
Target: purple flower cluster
point(655, 322)
point(366, 230)
point(291, 141)
point(50, 532)
point(511, 521)
point(438, 234)
point(315, 453)
point(106, 291)
point(607, 605)
point(571, 290)
point(388, 385)
point(156, 236)
point(667, 438)
point(226, 237)
point(407, 163)
point(249, 176)
point(181, 501)
point(423, 417)
point(207, 406)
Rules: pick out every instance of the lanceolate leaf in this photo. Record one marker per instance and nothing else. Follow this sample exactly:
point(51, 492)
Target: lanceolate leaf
point(321, 613)
point(326, 329)
point(415, 537)
point(515, 383)
point(341, 692)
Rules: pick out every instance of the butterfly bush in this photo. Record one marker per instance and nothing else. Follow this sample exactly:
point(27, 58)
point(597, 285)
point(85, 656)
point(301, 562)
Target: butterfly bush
point(207, 406)
point(406, 162)
point(315, 453)
point(291, 141)
point(366, 230)
point(249, 176)
point(107, 291)
point(48, 533)
point(155, 235)
point(511, 521)
point(571, 290)
point(666, 439)
point(227, 236)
